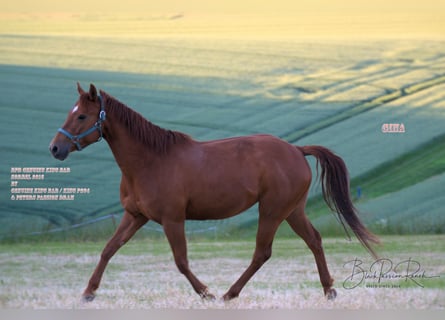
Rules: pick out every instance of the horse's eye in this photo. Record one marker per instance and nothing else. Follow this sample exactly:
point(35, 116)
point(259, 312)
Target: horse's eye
point(82, 117)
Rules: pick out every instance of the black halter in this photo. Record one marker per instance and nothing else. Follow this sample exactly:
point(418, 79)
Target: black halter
point(97, 126)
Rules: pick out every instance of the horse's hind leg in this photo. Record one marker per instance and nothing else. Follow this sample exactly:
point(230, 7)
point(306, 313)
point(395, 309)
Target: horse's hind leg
point(302, 226)
point(127, 228)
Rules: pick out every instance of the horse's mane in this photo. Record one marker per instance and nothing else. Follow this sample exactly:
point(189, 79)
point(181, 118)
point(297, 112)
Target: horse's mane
point(159, 140)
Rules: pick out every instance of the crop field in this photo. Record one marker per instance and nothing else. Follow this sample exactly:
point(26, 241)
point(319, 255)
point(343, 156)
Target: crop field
point(142, 275)
point(334, 94)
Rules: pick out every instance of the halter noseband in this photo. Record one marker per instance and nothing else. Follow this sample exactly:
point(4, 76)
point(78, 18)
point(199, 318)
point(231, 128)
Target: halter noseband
point(97, 126)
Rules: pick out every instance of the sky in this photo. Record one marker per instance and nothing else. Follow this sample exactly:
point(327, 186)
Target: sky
point(228, 6)
point(232, 17)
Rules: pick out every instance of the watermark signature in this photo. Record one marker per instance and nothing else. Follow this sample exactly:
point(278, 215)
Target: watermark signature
point(393, 128)
point(384, 273)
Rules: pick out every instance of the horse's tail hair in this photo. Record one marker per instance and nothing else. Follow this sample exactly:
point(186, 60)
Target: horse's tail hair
point(334, 179)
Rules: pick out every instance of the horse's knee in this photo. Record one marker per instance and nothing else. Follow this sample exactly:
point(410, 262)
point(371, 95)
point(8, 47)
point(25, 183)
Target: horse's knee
point(107, 254)
point(110, 250)
point(262, 256)
point(267, 254)
point(183, 266)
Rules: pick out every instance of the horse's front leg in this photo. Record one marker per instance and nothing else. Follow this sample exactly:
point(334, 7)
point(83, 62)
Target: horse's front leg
point(175, 234)
point(126, 229)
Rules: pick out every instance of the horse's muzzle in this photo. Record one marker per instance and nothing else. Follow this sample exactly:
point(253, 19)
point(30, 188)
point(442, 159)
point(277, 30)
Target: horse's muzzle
point(59, 151)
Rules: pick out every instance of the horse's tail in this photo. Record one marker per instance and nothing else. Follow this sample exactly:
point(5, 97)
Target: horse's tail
point(334, 180)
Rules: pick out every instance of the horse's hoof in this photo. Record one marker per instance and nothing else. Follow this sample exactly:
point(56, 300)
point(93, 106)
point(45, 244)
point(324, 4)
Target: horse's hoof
point(206, 295)
point(229, 296)
point(331, 294)
point(88, 297)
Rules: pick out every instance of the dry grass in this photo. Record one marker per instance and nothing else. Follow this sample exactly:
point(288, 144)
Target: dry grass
point(138, 279)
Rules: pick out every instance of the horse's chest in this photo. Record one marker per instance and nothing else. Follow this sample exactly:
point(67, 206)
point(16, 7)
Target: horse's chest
point(130, 203)
point(137, 200)
point(130, 197)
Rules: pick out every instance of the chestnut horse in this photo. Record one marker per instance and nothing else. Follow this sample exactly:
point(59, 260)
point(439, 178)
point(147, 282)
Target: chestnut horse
point(168, 177)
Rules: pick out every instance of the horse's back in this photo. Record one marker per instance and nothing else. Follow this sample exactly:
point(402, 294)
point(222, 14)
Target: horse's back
point(230, 175)
point(256, 156)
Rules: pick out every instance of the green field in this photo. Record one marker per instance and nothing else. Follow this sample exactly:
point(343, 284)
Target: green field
point(334, 93)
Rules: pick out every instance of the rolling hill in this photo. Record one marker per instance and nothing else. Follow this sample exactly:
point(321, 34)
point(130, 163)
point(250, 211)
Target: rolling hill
point(335, 94)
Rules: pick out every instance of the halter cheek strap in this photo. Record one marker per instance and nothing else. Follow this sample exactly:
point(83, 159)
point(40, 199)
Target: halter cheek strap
point(97, 126)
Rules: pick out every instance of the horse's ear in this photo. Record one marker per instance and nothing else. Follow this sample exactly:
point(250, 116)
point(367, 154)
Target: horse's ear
point(79, 89)
point(93, 93)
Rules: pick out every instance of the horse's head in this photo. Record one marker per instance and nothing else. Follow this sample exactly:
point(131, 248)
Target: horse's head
point(82, 127)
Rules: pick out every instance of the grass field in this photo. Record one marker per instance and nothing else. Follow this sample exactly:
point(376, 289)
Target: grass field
point(52, 275)
point(276, 96)
point(332, 81)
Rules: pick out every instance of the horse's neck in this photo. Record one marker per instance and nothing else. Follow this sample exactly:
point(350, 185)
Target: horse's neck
point(128, 153)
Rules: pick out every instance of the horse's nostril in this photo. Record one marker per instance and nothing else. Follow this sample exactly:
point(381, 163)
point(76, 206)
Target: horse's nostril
point(58, 152)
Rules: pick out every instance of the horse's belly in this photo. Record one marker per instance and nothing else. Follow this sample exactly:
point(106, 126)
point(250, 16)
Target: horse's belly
point(220, 206)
